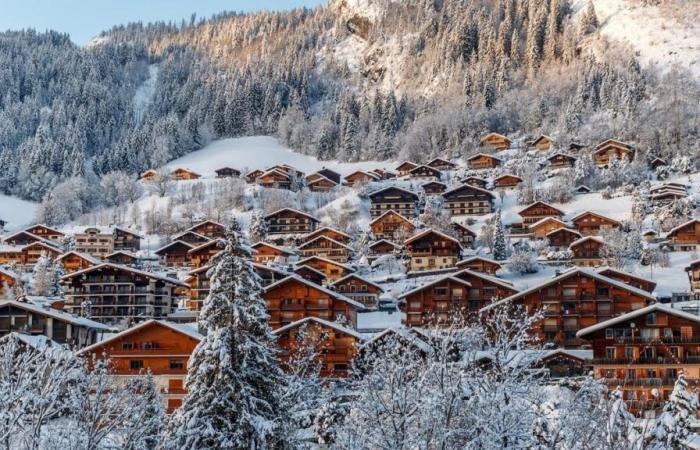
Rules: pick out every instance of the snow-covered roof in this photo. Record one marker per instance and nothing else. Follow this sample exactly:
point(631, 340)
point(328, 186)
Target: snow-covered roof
point(55, 313)
point(548, 219)
point(391, 211)
point(429, 231)
point(205, 245)
point(308, 243)
point(586, 238)
point(495, 280)
point(204, 222)
point(468, 186)
point(600, 270)
point(479, 155)
point(383, 241)
point(35, 237)
point(656, 307)
point(172, 243)
point(683, 225)
point(434, 282)
point(326, 260)
point(38, 342)
point(324, 322)
point(354, 275)
point(325, 228)
point(179, 235)
point(329, 292)
point(86, 256)
point(292, 210)
point(508, 175)
point(185, 329)
point(405, 333)
point(109, 265)
point(563, 230)
point(274, 247)
point(393, 187)
point(478, 258)
point(423, 166)
point(539, 202)
point(305, 267)
point(593, 213)
point(374, 176)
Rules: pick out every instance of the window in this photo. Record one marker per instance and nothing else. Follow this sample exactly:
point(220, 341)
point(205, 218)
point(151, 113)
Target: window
point(176, 364)
point(610, 352)
point(127, 346)
point(148, 345)
point(651, 319)
point(674, 351)
point(136, 364)
point(609, 333)
point(629, 352)
point(603, 292)
point(440, 291)
point(631, 374)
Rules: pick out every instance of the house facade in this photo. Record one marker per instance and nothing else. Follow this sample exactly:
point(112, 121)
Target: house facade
point(468, 200)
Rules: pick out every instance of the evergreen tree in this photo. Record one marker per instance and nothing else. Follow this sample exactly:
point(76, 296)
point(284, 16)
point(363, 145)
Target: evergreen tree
point(500, 247)
point(674, 425)
point(257, 229)
point(233, 376)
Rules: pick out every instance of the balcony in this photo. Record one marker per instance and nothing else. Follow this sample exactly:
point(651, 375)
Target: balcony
point(660, 360)
point(645, 382)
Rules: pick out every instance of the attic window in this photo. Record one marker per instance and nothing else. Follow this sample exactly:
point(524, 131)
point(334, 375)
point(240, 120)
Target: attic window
point(127, 346)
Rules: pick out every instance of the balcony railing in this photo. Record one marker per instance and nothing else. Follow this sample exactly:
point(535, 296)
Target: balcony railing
point(691, 359)
point(645, 382)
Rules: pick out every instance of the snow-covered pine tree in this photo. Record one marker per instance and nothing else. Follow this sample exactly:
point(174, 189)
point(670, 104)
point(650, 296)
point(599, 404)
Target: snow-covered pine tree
point(589, 20)
point(257, 229)
point(500, 247)
point(43, 275)
point(142, 430)
point(673, 426)
point(234, 375)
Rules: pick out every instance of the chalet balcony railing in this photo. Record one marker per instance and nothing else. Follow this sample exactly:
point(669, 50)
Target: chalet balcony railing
point(645, 382)
point(665, 340)
point(292, 307)
point(692, 359)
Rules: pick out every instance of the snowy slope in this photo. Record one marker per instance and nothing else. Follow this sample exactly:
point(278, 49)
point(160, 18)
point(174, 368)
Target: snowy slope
point(664, 35)
point(16, 212)
point(260, 152)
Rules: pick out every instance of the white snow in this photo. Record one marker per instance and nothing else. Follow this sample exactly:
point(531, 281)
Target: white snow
point(144, 93)
point(16, 212)
point(260, 152)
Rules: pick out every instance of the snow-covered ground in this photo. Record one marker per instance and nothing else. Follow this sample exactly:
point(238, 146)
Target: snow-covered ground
point(260, 152)
point(665, 35)
point(16, 212)
point(144, 93)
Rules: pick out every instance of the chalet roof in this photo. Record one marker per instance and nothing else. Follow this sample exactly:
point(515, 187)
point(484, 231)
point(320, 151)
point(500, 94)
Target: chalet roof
point(391, 211)
point(565, 155)
point(307, 243)
point(441, 161)
point(575, 271)
point(326, 260)
point(179, 235)
point(623, 273)
point(458, 225)
point(578, 242)
point(326, 228)
point(540, 203)
point(583, 188)
point(433, 283)
point(226, 168)
point(330, 174)
point(406, 191)
point(406, 163)
point(33, 236)
point(357, 277)
point(576, 146)
point(123, 252)
point(274, 247)
point(657, 159)
point(37, 342)
point(8, 272)
point(318, 287)
point(433, 170)
point(183, 169)
point(683, 225)
point(609, 142)
point(383, 241)
point(433, 183)
point(264, 268)
point(148, 172)
point(54, 230)
point(473, 177)
point(275, 171)
point(564, 230)
point(86, 256)
point(540, 138)
point(108, 265)
point(188, 331)
point(468, 187)
point(43, 244)
point(656, 307)
point(305, 267)
point(316, 177)
point(406, 333)
point(478, 258)
point(593, 213)
point(431, 231)
point(171, 244)
point(548, 219)
point(205, 245)
point(371, 175)
point(494, 134)
point(292, 210)
point(507, 175)
point(324, 322)
point(56, 314)
point(491, 279)
point(479, 155)
point(204, 223)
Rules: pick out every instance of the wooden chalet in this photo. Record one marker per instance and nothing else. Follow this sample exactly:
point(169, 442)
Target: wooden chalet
point(561, 161)
point(432, 250)
point(475, 181)
point(434, 188)
point(391, 225)
point(441, 164)
point(123, 257)
point(480, 264)
point(126, 240)
point(286, 168)
point(197, 282)
point(495, 141)
point(202, 254)
point(405, 168)
point(295, 298)
point(587, 251)
point(582, 189)
point(542, 227)
point(46, 232)
point(631, 279)
point(175, 254)
point(325, 247)
point(359, 289)
point(381, 248)
point(693, 270)
point(208, 228)
point(384, 174)
point(612, 148)
point(411, 338)
point(685, 237)
point(8, 278)
point(328, 232)
point(394, 198)
point(288, 221)
point(159, 348)
point(323, 181)
point(264, 253)
point(311, 274)
point(483, 161)
point(335, 344)
point(538, 211)
point(274, 178)
point(507, 181)
point(468, 200)
point(573, 300)
point(576, 146)
point(332, 269)
point(74, 260)
point(465, 236)
point(34, 319)
point(562, 238)
point(27, 255)
point(590, 223)
point(643, 351)
point(424, 173)
point(119, 293)
point(24, 237)
point(252, 176)
point(227, 172)
point(95, 240)
point(656, 163)
point(542, 143)
point(269, 275)
point(184, 174)
point(360, 176)
point(191, 238)
point(150, 175)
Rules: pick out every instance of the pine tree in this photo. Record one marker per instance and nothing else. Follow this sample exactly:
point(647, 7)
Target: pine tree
point(673, 426)
point(500, 249)
point(257, 229)
point(589, 20)
point(43, 275)
point(233, 375)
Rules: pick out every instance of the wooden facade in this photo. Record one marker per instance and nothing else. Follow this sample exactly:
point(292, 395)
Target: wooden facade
point(425, 173)
point(542, 227)
point(590, 223)
point(311, 274)
point(480, 264)
point(7, 279)
point(46, 232)
point(643, 352)
point(468, 200)
point(381, 248)
point(252, 176)
point(202, 254)
point(465, 236)
point(289, 221)
point(74, 260)
point(275, 178)
point(325, 247)
point(126, 240)
point(538, 211)
point(266, 253)
point(323, 181)
point(693, 270)
point(227, 172)
point(577, 299)
point(507, 181)
point(184, 174)
point(495, 141)
point(333, 270)
point(295, 298)
point(27, 255)
point(117, 293)
point(631, 279)
point(483, 161)
point(208, 228)
point(542, 143)
point(587, 251)
point(475, 181)
point(360, 176)
point(160, 348)
point(335, 344)
point(434, 188)
point(562, 238)
point(328, 232)
point(390, 224)
point(561, 161)
point(432, 250)
point(359, 289)
point(685, 237)
point(612, 148)
point(149, 175)
point(393, 198)
point(405, 168)
point(441, 164)
point(175, 254)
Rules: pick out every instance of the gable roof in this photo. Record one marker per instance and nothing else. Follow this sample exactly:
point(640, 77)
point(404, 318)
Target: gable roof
point(593, 213)
point(87, 257)
point(383, 241)
point(479, 155)
point(435, 171)
point(356, 276)
point(298, 269)
point(179, 328)
point(478, 258)
point(540, 138)
point(371, 175)
point(324, 322)
point(171, 244)
point(326, 260)
point(683, 225)
point(468, 187)
point(539, 202)
point(179, 235)
point(493, 133)
point(624, 274)
point(391, 211)
point(433, 283)
point(274, 247)
point(406, 163)
point(204, 245)
point(656, 307)
point(292, 210)
point(410, 334)
point(318, 287)
point(33, 236)
point(441, 161)
point(309, 242)
point(564, 230)
point(108, 265)
point(565, 155)
point(56, 314)
point(548, 219)
point(326, 228)
point(609, 142)
point(491, 279)
point(411, 193)
point(587, 238)
point(204, 222)
point(429, 231)
point(54, 230)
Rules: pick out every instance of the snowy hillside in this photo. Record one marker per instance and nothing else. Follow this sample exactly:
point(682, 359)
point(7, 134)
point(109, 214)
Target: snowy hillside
point(260, 152)
point(16, 212)
point(664, 34)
